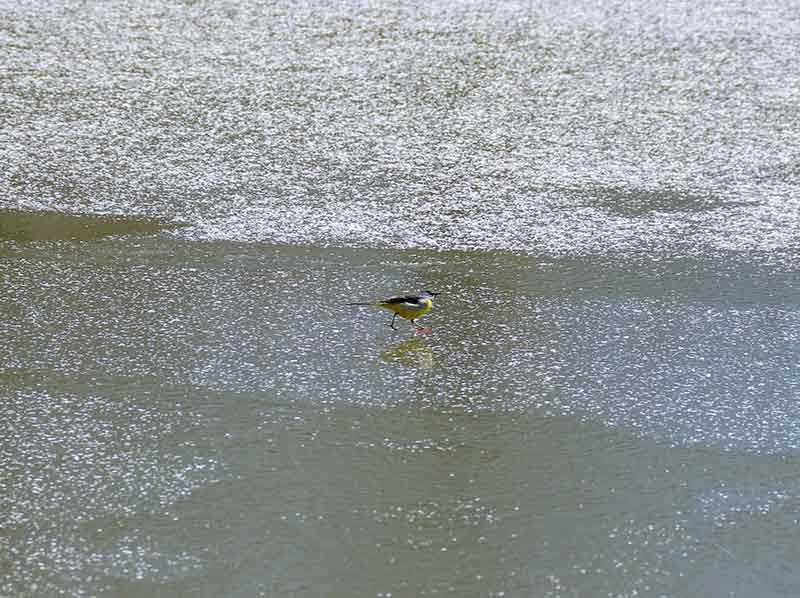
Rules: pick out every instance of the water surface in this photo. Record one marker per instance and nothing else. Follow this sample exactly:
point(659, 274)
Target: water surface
point(210, 418)
point(605, 195)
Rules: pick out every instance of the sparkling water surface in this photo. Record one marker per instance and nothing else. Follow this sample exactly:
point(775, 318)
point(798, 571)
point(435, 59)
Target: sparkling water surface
point(535, 126)
point(606, 195)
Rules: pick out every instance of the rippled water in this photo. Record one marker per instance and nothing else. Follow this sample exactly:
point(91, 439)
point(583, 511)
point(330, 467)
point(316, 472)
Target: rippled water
point(575, 128)
point(604, 194)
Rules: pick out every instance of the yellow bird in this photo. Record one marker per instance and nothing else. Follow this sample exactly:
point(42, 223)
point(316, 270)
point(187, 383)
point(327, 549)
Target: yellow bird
point(409, 307)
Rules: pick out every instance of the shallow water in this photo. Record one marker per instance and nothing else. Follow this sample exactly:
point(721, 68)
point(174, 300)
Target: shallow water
point(209, 417)
point(605, 196)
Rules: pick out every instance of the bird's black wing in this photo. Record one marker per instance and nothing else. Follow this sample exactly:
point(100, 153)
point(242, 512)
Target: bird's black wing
point(405, 299)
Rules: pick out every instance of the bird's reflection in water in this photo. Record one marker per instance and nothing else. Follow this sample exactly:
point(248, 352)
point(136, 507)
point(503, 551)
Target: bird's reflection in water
point(411, 353)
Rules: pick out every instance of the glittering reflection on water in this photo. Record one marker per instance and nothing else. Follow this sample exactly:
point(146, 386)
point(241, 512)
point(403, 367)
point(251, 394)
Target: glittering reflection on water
point(570, 128)
point(707, 374)
point(84, 457)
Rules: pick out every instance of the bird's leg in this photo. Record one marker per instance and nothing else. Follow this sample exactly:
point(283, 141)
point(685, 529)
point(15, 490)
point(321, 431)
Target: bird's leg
point(391, 324)
point(418, 328)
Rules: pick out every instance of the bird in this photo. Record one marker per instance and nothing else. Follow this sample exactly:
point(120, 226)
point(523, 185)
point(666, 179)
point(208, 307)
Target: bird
point(409, 307)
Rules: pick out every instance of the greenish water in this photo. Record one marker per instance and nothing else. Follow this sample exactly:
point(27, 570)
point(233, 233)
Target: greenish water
point(208, 418)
